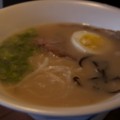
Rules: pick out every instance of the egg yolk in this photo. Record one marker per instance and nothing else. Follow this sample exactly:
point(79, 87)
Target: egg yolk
point(92, 42)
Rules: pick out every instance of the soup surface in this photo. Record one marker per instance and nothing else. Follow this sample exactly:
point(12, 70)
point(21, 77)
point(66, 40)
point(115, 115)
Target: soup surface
point(61, 65)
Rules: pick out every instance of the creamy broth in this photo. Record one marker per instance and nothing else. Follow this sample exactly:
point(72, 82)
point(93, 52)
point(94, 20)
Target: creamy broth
point(61, 75)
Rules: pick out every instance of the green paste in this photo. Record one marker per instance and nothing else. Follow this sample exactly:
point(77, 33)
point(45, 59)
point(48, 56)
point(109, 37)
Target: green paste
point(14, 55)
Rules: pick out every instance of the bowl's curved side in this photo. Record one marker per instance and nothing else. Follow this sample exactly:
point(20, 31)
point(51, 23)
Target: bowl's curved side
point(21, 16)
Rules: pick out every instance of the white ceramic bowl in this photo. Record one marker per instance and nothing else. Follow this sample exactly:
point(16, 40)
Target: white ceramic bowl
point(21, 16)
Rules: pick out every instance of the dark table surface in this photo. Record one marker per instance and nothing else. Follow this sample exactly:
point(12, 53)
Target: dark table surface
point(8, 114)
point(115, 3)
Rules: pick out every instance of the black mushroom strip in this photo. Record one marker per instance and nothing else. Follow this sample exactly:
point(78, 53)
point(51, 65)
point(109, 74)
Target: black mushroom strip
point(100, 74)
point(76, 80)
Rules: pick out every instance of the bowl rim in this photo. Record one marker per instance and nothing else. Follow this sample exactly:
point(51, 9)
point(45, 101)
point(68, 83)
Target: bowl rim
point(50, 111)
point(90, 3)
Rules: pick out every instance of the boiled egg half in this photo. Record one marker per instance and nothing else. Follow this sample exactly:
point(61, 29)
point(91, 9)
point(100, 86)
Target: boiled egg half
point(90, 42)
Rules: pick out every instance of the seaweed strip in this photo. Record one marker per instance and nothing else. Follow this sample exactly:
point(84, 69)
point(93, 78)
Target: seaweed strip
point(81, 61)
point(104, 75)
point(94, 78)
point(77, 80)
point(115, 91)
point(95, 64)
point(116, 78)
point(102, 71)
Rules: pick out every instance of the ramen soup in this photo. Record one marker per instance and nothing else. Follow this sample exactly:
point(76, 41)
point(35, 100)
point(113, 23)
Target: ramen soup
point(61, 65)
